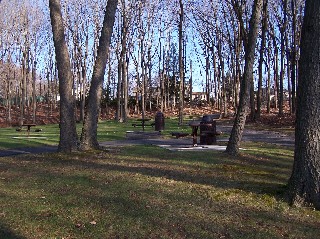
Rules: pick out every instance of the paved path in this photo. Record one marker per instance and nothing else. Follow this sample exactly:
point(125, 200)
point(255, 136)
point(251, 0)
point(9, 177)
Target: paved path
point(266, 136)
point(28, 150)
point(172, 143)
point(186, 143)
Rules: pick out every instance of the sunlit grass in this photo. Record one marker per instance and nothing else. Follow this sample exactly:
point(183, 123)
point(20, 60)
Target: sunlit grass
point(49, 135)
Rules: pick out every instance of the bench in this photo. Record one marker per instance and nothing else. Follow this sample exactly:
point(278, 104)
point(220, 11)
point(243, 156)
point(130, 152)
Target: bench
point(179, 134)
point(142, 125)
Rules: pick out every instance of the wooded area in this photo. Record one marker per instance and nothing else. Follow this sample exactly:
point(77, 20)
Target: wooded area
point(154, 45)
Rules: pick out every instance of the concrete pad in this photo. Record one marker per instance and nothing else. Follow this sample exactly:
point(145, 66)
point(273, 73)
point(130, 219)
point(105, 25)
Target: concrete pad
point(193, 148)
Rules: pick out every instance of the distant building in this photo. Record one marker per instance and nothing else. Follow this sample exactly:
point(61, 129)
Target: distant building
point(199, 96)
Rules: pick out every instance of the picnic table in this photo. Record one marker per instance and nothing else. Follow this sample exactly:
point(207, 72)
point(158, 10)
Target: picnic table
point(208, 133)
point(142, 122)
point(28, 125)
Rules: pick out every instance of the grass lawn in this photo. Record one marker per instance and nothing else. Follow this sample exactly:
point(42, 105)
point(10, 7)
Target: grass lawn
point(147, 191)
point(49, 134)
point(150, 192)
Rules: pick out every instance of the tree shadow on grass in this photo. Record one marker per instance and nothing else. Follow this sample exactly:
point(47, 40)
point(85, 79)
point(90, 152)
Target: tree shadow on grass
point(231, 174)
point(88, 170)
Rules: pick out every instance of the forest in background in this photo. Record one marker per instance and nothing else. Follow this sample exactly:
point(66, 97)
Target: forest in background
point(144, 70)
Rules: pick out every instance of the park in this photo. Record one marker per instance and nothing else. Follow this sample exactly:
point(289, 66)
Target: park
point(145, 191)
point(159, 119)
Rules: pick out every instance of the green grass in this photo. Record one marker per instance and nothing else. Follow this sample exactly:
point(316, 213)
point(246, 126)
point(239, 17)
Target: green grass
point(107, 130)
point(10, 138)
point(150, 192)
point(146, 191)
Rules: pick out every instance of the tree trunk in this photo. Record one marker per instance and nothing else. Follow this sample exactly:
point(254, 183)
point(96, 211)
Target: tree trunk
point(262, 49)
point(282, 66)
point(216, 76)
point(23, 90)
point(252, 100)
point(119, 92)
point(181, 64)
point(34, 97)
point(90, 126)
point(293, 56)
point(269, 79)
point(304, 183)
point(223, 99)
point(143, 83)
point(238, 67)
point(276, 76)
point(8, 91)
point(239, 122)
point(84, 80)
point(68, 133)
point(207, 89)
point(190, 83)
point(124, 65)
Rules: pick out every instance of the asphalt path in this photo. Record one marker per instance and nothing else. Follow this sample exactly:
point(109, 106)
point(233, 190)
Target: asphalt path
point(28, 150)
point(265, 136)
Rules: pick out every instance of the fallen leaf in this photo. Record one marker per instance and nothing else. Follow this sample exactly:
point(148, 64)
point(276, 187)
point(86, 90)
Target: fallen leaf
point(78, 225)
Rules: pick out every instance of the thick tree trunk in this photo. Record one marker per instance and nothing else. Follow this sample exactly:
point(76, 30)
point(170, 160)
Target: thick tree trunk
point(68, 133)
point(90, 126)
point(304, 184)
point(250, 45)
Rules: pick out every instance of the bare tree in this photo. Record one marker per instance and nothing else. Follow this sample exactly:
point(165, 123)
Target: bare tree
point(68, 133)
point(250, 45)
point(90, 125)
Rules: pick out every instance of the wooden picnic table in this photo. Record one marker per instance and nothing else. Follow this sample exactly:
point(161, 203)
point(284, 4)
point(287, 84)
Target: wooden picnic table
point(143, 123)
